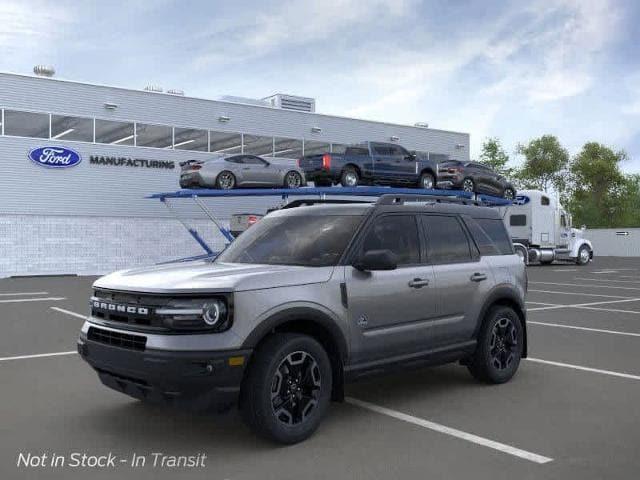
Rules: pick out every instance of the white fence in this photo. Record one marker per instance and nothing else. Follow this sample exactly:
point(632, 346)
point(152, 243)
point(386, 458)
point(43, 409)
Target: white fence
point(615, 242)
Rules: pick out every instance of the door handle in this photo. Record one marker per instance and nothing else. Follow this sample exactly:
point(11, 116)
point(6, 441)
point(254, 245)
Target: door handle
point(418, 283)
point(478, 277)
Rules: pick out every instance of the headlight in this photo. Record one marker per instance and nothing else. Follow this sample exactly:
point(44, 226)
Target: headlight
point(211, 314)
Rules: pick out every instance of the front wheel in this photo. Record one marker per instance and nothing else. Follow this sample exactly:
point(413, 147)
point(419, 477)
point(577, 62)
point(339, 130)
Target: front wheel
point(288, 388)
point(584, 255)
point(427, 181)
point(499, 348)
point(468, 185)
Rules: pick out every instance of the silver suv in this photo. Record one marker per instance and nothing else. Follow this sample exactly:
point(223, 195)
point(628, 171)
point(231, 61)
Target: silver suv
point(307, 299)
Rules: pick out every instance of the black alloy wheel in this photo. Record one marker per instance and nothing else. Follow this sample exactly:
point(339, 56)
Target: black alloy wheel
point(504, 343)
point(295, 388)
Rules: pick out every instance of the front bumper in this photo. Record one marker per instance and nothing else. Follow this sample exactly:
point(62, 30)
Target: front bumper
point(188, 379)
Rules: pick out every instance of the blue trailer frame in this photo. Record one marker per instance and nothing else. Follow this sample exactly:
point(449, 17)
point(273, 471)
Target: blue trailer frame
point(322, 192)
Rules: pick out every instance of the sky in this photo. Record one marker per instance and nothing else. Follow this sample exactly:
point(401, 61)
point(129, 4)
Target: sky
point(512, 70)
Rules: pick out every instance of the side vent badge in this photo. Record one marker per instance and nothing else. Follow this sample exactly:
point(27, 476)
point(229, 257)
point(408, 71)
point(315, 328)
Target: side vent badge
point(363, 321)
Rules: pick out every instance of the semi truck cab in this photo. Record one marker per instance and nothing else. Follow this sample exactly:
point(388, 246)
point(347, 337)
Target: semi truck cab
point(541, 230)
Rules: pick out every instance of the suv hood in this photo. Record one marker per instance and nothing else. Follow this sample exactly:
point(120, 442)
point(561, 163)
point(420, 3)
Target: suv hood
point(204, 276)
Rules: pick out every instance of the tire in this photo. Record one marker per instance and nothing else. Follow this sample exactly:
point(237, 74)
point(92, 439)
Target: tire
point(349, 177)
point(225, 180)
point(584, 255)
point(292, 180)
point(468, 185)
point(508, 194)
point(427, 181)
point(278, 355)
point(495, 360)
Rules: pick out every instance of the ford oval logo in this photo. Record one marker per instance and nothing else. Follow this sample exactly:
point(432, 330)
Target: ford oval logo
point(55, 157)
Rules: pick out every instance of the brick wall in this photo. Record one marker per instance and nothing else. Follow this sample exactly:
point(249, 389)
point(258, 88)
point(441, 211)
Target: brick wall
point(41, 245)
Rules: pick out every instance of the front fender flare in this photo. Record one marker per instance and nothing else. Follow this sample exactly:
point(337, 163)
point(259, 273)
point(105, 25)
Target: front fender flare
point(313, 314)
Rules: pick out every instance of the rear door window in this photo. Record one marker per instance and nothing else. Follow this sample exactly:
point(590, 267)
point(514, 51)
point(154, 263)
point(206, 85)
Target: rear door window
point(396, 233)
point(447, 240)
point(490, 236)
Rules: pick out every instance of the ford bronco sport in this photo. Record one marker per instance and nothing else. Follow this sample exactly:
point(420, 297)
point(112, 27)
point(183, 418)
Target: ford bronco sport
point(307, 299)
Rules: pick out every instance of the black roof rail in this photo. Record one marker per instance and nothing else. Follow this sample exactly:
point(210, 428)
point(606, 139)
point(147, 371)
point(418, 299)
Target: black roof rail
point(391, 199)
point(315, 201)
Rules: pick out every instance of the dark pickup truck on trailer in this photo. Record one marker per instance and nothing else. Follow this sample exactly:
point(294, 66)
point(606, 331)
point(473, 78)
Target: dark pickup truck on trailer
point(371, 163)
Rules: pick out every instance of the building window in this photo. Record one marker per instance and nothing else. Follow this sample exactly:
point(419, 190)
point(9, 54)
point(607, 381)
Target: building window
point(190, 139)
point(257, 145)
point(313, 147)
point(114, 133)
point(71, 128)
point(225, 142)
point(157, 136)
point(26, 124)
point(287, 148)
point(338, 148)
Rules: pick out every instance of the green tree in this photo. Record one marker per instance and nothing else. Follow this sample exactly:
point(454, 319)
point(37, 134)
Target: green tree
point(601, 195)
point(494, 156)
point(545, 163)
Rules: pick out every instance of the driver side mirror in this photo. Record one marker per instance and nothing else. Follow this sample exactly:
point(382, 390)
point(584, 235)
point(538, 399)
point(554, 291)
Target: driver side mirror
point(411, 156)
point(376, 260)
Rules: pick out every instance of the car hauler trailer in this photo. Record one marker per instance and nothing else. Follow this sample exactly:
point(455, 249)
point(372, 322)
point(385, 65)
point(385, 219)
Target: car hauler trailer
point(541, 230)
point(306, 195)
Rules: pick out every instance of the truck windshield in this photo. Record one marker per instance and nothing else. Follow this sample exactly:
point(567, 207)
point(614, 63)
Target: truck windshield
point(311, 241)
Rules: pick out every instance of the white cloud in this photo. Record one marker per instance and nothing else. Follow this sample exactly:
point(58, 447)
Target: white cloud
point(29, 25)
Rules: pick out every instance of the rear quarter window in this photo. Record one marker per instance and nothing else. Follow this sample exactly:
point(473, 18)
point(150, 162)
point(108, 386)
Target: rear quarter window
point(490, 236)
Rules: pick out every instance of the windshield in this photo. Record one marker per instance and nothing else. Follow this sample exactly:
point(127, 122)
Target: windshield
point(311, 241)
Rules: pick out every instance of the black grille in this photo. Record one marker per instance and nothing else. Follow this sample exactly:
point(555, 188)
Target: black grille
point(117, 339)
point(122, 307)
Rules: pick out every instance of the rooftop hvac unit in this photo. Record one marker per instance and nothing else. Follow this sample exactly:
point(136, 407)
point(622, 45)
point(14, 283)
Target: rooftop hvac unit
point(176, 91)
point(292, 102)
point(44, 70)
point(153, 88)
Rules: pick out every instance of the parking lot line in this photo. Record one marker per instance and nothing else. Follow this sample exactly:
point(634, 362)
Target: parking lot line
point(17, 294)
point(586, 305)
point(584, 369)
point(565, 269)
point(42, 299)
point(581, 285)
point(69, 312)
point(576, 293)
point(608, 280)
point(618, 310)
point(573, 327)
point(532, 457)
point(39, 355)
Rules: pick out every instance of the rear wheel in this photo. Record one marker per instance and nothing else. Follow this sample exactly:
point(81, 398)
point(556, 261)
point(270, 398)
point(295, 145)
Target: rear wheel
point(427, 181)
point(293, 180)
point(226, 180)
point(499, 347)
point(584, 255)
point(349, 177)
point(468, 185)
point(288, 388)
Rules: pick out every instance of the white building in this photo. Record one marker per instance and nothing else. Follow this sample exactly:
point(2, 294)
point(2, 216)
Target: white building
point(93, 217)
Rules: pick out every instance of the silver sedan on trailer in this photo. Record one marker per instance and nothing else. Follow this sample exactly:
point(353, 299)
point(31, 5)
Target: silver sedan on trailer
point(227, 172)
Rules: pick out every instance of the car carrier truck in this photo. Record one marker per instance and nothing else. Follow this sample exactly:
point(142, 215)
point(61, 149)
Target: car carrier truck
point(541, 230)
